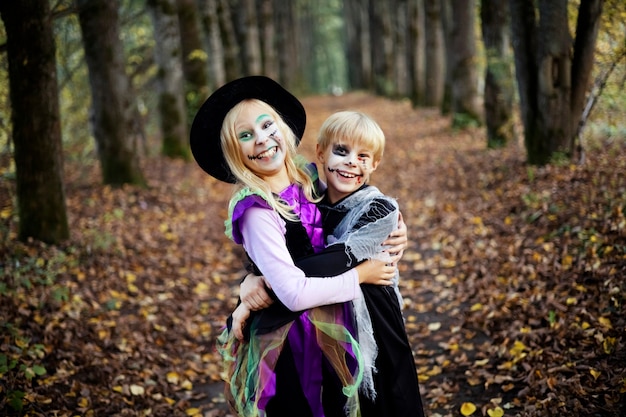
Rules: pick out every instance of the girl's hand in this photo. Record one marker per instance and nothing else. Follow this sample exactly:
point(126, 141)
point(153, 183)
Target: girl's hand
point(377, 272)
point(397, 241)
point(240, 315)
point(252, 292)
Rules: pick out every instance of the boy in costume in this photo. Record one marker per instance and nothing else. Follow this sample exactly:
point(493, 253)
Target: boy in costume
point(359, 217)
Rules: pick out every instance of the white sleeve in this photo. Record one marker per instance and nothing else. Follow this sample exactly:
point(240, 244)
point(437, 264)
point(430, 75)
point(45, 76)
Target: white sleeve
point(264, 241)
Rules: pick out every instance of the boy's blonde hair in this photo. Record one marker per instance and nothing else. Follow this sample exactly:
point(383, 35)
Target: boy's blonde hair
point(246, 178)
point(352, 127)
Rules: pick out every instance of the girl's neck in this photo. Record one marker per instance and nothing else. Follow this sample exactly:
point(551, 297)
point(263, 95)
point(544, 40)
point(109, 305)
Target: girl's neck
point(278, 181)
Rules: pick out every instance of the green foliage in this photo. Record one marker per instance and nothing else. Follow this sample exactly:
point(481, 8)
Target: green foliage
point(462, 121)
point(29, 283)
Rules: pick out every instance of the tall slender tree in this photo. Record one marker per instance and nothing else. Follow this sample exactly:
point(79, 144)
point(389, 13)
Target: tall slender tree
point(232, 58)
point(113, 105)
point(194, 57)
point(170, 78)
point(499, 87)
point(464, 71)
point(211, 26)
point(36, 120)
point(435, 53)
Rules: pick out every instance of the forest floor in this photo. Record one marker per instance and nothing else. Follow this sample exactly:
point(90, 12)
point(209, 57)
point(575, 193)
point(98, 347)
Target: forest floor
point(514, 280)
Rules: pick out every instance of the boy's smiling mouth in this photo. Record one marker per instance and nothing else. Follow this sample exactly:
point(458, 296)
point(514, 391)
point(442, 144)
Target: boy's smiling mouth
point(345, 174)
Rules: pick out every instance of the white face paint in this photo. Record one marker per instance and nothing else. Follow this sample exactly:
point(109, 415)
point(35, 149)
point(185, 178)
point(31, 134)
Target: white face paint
point(346, 167)
point(261, 143)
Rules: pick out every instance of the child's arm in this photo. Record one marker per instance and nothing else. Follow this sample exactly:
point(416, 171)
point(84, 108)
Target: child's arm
point(397, 241)
point(239, 316)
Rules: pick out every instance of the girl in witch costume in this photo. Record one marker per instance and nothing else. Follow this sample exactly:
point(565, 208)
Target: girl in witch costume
point(357, 218)
point(296, 360)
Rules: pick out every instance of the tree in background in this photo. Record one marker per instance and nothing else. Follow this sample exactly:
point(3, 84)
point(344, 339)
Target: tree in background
point(113, 105)
point(462, 63)
point(215, 49)
point(36, 120)
point(194, 56)
point(499, 87)
point(170, 79)
point(552, 72)
point(435, 54)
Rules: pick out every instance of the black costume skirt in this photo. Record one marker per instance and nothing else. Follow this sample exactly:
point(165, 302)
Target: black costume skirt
point(397, 390)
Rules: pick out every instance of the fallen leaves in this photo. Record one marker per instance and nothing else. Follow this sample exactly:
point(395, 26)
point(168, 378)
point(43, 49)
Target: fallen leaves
point(513, 282)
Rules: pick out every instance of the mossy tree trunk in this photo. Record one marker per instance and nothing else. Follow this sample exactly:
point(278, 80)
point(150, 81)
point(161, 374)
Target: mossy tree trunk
point(170, 79)
point(36, 121)
point(499, 87)
point(113, 104)
point(552, 72)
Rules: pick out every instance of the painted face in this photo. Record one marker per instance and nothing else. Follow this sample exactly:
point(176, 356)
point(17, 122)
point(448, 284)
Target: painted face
point(347, 168)
point(261, 143)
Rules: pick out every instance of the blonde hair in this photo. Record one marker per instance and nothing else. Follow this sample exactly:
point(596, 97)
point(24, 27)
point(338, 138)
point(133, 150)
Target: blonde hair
point(352, 127)
point(296, 169)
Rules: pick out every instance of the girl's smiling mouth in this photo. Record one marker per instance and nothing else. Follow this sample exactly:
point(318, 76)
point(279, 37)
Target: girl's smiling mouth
point(265, 154)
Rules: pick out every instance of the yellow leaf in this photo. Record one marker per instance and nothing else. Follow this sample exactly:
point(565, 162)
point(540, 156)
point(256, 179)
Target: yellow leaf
point(609, 345)
point(118, 388)
point(192, 412)
point(137, 389)
point(5, 213)
point(434, 326)
point(467, 409)
point(496, 412)
point(83, 402)
point(605, 322)
point(594, 373)
point(173, 377)
point(187, 385)
point(476, 307)
point(571, 301)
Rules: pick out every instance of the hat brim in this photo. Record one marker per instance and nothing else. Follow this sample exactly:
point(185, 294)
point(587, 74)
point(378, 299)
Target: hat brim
point(207, 124)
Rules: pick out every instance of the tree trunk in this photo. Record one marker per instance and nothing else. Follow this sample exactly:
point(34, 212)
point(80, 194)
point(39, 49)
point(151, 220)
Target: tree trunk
point(382, 47)
point(435, 54)
point(210, 22)
point(551, 82)
point(113, 107)
point(268, 39)
point(287, 43)
point(498, 96)
point(447, 25)
point(194, 56)
point(416, 52)
point(232, 60)
point(465, 106)
point(582, 63)
point(36, 121)
point(360, 64)
point(249, 27)
point(170, 79)
point(401, 77)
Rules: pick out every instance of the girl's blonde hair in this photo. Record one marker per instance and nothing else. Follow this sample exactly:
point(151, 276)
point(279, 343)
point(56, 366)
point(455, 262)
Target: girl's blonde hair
point(352, 127)
point(295, 165)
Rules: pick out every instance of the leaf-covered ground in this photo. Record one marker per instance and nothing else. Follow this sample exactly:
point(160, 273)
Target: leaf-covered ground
point(514, 281)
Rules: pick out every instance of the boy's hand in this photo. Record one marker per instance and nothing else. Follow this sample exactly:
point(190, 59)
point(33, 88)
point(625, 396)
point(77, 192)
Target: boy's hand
point(240, 315)
point(253, 294)
point(397, 241)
